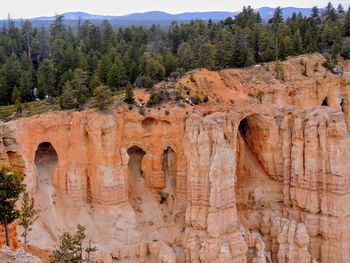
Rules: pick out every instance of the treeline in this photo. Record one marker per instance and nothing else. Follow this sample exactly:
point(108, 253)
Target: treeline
point(36, 63)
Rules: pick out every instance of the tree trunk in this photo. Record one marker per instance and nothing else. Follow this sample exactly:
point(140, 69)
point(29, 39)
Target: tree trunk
point(25, 235)
point(7, 234)
point(28, 47)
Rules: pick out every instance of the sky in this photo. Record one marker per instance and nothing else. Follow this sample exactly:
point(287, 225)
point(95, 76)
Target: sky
point(36, 8)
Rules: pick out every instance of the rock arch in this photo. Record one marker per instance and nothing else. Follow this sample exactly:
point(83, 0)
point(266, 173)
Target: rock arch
point(46, 159)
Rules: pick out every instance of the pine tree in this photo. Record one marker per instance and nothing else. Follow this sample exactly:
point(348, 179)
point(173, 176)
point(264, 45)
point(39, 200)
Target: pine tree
point(94, 82)
point(90, 249)
point(47, 79)
point(277, 16)
point(79, 84)
point(28, 215)
point(26, 85)
point(16, 95)
point(340, 9)
point(277, 20)
point(19, 108)
point(155, 69)
point(170, 62)
point(11, 187)
point(297, 43)
point(207, 56)
point(129, 94)
point(104, 67)
point(117, 74)
point(346, 25)
point(102, 98)
point(68, 98)
point(70, 247)
point(243, 55)
point(185, 55)
point(345, 52)
point(315, 11)
point(328, 8)
point(11, 73)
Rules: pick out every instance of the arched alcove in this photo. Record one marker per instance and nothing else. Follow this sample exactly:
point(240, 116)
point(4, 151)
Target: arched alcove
point(325, 102)
point(136, 155)
point(46, 159)
point(167, 195)
point(243, 128)
point(169, 162)
point(148, 124)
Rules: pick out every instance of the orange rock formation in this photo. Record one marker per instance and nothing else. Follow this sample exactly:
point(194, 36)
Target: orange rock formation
point(231, 180)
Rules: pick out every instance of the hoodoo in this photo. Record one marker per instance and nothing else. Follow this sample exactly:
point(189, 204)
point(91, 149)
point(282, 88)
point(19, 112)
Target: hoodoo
point(230, 180)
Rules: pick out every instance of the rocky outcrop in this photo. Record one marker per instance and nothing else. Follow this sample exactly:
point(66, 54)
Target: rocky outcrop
point(231, 180)
point(19, 256)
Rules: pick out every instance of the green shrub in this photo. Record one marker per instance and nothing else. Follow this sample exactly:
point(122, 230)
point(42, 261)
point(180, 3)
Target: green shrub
point(154, 100)
point(259, 95)
point(304, 69)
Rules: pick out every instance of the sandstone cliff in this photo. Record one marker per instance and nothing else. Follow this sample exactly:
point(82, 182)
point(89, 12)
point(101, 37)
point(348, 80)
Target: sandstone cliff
point(231, 180)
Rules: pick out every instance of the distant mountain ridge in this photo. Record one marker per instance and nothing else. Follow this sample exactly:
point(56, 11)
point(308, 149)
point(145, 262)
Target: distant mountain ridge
point(265, 12)
point(154, 17)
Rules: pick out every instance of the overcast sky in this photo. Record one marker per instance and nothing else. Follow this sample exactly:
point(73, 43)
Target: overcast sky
point(35, 8)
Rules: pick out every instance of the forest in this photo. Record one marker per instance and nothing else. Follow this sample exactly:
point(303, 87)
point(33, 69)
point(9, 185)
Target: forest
point(39, 63)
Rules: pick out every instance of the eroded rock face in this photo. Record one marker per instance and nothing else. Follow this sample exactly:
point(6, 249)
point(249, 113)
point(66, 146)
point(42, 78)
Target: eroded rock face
point(13, 236)
point(18, 256)
point(233, 180)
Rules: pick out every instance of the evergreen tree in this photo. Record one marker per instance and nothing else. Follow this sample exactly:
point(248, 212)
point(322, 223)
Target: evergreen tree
point(346, 25)
point(315, 11)
point(243, 55)
point(28, 215)
point(170, 62)
point(340, 9)
point(94, 82)
point(104, 68)
point(345, 52)
point(207, 56)
point(70, 247)
point(19, 108)
point(108, 37)
point(47, 79)
point(16, 95)
point(11, 74)
point(11, 186)
point(27, 32)
point(297, 43)
point(102, 98)
point(68, 98)
point(185, 55)
point(79, 84)
point(117, 74)
point(277, 16)
point(328, 9)
point(129, 94)
point(26, 85)
point(276, 20)
point(155, 70)
point(267, 46)
point(330, 33)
